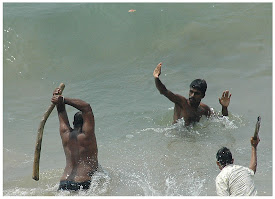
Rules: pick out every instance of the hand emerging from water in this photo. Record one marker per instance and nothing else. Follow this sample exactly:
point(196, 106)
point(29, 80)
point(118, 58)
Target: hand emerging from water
point(157, 70)
point(225, 99)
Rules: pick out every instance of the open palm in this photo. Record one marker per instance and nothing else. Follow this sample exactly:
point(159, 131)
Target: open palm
point(225, 99)
point(157, 70)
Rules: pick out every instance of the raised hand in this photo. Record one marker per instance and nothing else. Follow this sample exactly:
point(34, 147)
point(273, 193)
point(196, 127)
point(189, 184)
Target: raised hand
point(254, 142)
point(225, 99)
point(57, 97)
point(157, 70)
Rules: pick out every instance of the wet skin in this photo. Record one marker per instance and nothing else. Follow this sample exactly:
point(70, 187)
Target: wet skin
point(191, 109)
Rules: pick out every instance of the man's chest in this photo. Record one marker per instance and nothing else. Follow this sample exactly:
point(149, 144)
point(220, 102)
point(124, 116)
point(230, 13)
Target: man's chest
point(192, 113)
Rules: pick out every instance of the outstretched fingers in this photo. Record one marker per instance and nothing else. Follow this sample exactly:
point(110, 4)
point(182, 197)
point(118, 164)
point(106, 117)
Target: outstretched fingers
point(157, 70)
point(226, 94)
point(225, 99)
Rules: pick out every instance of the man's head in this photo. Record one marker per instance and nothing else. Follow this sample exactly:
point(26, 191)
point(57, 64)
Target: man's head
point(197, 91)
point(224, 157)
point(78, 120)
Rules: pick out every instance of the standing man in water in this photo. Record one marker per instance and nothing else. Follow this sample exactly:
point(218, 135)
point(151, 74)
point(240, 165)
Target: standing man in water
point(235, 180)
point(79, 143)
point(190, 109)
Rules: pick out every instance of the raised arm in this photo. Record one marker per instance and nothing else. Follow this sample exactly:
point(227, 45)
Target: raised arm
point(253, 161)
point(58, 100)
point(161, 87)
point(87, 114)
point(224, 101)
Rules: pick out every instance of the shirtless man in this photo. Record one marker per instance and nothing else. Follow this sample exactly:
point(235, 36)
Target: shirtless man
point(79, 143)
point(190, 109)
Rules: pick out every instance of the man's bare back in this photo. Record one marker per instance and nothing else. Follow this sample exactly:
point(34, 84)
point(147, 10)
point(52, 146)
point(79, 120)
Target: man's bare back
point(81, 158)
point(191, 109)
point(79, 143)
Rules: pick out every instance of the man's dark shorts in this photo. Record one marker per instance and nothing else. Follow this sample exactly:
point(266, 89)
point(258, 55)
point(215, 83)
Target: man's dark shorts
point(74, 186)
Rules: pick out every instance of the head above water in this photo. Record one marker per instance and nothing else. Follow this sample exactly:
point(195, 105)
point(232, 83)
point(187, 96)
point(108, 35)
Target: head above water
point(199, 84)
point(78, 119)
point(224, 157)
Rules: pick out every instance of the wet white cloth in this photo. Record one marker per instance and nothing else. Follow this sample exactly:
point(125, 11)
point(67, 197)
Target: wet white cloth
point(235, 180)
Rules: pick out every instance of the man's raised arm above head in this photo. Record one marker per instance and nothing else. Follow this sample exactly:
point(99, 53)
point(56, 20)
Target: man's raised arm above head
point(78, 104)
point(84, 107)
point(161, 87)
point(58, 100)
point(224, 101)
point(87, 113)
point(253, 161)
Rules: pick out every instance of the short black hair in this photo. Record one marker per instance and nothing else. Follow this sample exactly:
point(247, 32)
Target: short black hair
point(224, 156)
point(199, 84)
point(78, 119)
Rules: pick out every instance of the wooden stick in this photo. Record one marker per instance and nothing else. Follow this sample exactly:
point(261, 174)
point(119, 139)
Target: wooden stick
point(35, 172)
point(258, 124)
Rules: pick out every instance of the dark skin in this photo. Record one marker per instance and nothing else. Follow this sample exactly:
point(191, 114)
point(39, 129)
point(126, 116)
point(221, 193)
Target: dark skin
point(79, 143)
point(191, 109)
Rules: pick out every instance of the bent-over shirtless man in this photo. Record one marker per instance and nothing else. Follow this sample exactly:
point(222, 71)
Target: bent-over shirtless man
point(191, 109)
point(79, 143)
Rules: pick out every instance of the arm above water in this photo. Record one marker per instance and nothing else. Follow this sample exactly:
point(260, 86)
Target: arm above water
point(87, 114)
point(224, 101)
point(58, 100)
point(162, 89)
point(253, 161)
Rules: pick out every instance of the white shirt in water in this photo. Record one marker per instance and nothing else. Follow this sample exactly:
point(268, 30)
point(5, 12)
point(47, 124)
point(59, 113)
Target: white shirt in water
point(235, 180)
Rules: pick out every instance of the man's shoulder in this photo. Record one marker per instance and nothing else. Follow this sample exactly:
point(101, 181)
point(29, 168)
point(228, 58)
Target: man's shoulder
point(233, 170)
point(239, 167)
point(182, 98)
point(228, 169)
point(223, 175)
point(205, 108)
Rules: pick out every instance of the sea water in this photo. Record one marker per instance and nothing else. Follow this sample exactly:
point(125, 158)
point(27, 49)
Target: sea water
point(106, 55)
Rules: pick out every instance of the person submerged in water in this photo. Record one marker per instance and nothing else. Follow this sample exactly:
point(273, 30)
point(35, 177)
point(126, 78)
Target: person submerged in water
point(79, 143)
point(191, 109)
